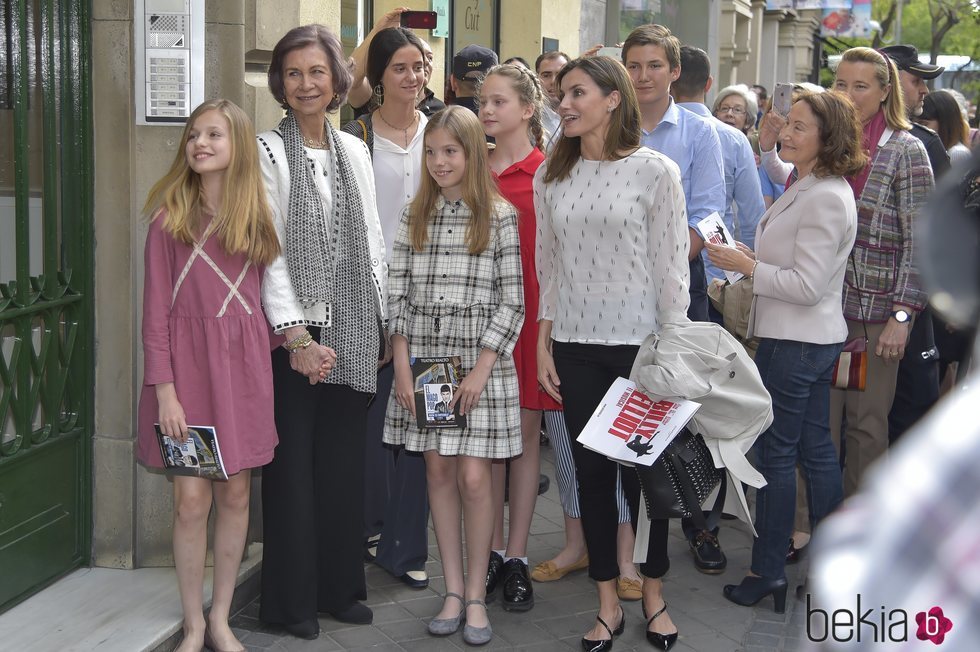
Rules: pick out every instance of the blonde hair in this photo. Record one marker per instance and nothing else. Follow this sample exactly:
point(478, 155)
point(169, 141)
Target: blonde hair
point(479, 190)
point(529, 92)
point(624, 121)
point(887, 75)
point(243, 224)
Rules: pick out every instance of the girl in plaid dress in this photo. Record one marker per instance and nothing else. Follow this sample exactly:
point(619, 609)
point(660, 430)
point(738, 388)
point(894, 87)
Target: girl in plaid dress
point(455, 288)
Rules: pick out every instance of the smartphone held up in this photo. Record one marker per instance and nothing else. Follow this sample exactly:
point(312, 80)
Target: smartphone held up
point(418, 19)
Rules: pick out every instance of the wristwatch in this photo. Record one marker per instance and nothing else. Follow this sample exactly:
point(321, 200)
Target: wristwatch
point(901, 316)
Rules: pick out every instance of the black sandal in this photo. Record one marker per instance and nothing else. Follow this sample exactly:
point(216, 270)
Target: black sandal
point(602, 646)
point(658, 640)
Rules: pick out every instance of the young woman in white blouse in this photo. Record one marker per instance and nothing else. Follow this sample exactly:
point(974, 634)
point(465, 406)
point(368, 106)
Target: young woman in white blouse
point(396, 510)
point(612, 262)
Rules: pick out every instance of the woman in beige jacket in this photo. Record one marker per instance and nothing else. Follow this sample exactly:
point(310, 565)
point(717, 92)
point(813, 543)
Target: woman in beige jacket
point(803, 242)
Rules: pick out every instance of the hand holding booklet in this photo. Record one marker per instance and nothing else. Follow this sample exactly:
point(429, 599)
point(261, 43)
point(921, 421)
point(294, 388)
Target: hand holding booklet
point(629, 426)
point(436, 381)
point(198, 456)
point(713, 230)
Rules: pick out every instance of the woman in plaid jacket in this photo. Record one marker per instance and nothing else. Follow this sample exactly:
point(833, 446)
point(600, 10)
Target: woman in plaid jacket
point(882, 291)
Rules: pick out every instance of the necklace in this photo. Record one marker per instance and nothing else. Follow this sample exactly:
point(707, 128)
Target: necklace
point(404, 130)
point(315, 144)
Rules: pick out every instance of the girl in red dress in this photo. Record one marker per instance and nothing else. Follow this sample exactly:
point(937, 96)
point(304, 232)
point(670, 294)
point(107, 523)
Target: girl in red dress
point(206, 347)
point(511, 100)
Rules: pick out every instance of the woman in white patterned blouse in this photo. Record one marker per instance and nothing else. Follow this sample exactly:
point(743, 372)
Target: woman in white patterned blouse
point(612, 262)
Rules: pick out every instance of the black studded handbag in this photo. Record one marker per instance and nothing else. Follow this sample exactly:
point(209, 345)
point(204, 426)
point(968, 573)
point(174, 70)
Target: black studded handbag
point(682, 478)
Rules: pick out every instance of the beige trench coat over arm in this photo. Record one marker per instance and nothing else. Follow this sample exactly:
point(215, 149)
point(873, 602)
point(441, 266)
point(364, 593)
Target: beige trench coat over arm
point(702, 362)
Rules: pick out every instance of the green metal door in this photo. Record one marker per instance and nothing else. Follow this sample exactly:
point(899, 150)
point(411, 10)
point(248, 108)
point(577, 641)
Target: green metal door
point(46, 308)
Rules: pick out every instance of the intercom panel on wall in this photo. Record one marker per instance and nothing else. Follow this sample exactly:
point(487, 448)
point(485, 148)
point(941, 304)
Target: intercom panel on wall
point(169, 64)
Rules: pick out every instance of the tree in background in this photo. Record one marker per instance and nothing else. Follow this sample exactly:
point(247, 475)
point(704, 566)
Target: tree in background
point(933, 26)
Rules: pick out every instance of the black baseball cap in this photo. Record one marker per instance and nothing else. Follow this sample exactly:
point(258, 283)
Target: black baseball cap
point(473, 59)
point(906, 58)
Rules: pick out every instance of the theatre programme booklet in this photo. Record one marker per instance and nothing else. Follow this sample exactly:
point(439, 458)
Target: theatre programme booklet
point(713, 230)
point(198, 456)
point(629, 426)
point(436, 382)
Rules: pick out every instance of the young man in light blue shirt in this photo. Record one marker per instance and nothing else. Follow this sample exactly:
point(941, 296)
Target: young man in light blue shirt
point(742, 188)
point(652, 58)
point(651, 55)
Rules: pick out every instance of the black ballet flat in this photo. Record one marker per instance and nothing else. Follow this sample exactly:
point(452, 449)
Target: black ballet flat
point(602, 646)
point(656, 639)
point(753, 589)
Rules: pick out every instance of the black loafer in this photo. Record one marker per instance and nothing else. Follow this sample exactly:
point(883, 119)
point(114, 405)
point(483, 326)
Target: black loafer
point(307, 629)
point(355, 614)
point(708, 557)
point(518, 592)
point(415, 579)
point(494, 571)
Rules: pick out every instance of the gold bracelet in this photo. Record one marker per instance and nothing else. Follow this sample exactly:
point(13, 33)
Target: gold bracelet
point(300, 342)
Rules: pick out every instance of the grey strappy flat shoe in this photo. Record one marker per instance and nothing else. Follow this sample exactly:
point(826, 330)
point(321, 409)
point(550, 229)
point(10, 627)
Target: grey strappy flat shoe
point(477, 635)
point(448, 626)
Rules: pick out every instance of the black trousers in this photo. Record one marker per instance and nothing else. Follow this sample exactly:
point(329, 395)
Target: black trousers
point(699, 310)
point(586, 372)
point(917, 388)
point(698, 290)
point(396, 504)
point(312, 499)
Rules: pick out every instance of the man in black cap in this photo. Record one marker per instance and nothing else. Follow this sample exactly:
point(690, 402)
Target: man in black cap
point(918, 373)
point(469, 65)
point(913, 74)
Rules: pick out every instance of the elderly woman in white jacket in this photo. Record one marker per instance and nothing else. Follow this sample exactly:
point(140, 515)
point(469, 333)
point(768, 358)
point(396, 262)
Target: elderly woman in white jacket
point(325, 295)
point(803, 242)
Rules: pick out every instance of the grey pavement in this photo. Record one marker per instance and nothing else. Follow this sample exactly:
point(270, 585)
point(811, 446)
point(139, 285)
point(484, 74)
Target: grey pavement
point(563, 610)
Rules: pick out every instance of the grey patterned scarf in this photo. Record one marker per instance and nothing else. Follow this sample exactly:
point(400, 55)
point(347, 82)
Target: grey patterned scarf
point(329, 259)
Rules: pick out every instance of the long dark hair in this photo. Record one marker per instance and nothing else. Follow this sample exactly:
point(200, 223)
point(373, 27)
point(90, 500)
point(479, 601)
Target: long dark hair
point(944, 109)
point(624, 121)
point(383, 47)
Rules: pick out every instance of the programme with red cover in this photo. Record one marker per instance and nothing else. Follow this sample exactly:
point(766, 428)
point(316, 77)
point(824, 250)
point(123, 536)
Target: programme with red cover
point(630, 426)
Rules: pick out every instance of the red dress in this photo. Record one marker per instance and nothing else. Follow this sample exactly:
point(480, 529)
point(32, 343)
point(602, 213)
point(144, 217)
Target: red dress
point(204, 331)
point(514, 184)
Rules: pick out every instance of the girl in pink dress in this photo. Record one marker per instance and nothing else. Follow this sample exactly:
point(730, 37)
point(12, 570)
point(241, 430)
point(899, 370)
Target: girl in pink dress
point(206, 347)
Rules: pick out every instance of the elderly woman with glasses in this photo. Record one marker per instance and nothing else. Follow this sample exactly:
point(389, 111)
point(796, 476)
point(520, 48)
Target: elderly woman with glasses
point(736, 106)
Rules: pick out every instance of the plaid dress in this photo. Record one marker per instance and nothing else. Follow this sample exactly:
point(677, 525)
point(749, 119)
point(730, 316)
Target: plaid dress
point(445, 301)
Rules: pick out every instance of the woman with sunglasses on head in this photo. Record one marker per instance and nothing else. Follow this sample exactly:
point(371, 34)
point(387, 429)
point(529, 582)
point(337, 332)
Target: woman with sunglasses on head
point(882, 290)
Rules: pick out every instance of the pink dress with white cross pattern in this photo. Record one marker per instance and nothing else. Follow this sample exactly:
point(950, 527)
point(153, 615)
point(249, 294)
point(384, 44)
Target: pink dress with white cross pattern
point(204, 330)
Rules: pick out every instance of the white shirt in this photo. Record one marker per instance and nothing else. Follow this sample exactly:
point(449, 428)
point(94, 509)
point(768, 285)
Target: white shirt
point(550, 124)
point(397, 173)
point(612, 249)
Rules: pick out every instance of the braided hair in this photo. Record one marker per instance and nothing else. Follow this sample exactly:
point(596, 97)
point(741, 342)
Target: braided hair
point(530, 93)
